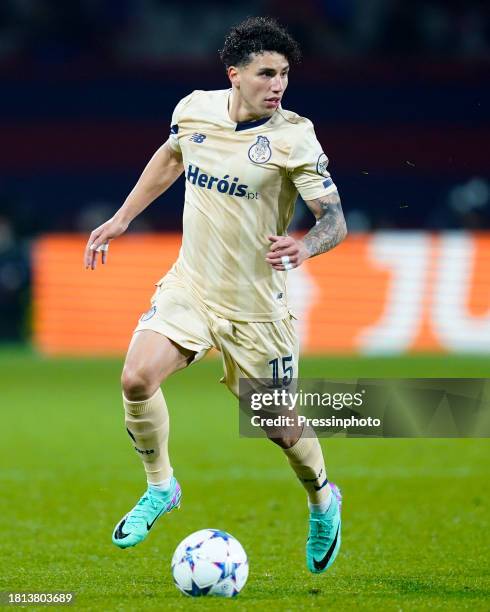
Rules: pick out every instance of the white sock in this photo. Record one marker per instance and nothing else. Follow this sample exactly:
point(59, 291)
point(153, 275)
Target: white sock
point(306, 459)
point(147, 424)
point(323, 506)
point(163, 485)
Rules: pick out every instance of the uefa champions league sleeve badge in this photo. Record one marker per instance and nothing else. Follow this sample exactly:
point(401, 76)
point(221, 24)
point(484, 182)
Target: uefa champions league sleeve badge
point(260, 152)
point(322, 164)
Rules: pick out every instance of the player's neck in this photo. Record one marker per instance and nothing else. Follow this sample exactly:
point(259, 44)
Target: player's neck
point(238, 109)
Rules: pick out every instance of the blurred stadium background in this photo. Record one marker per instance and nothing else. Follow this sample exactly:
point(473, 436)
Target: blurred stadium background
point(399, 94)
point(399, 97)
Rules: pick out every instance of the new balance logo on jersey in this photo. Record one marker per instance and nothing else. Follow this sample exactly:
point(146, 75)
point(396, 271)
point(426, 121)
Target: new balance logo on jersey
point(196, 137)
point(223, 185)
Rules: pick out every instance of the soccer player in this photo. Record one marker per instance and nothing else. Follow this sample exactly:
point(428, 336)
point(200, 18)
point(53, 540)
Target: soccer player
point(245, 159)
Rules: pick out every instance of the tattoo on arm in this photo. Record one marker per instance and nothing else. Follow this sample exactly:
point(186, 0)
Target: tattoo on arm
point(330, 228)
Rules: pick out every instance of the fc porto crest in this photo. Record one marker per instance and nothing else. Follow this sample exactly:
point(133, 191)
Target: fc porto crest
point(260, 152)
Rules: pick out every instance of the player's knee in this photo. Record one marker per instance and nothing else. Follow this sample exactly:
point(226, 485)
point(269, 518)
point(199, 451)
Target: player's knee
point(285, 440)
point(137, 383)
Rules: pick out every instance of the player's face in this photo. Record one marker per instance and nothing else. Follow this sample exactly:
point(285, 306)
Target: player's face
point(262, 83)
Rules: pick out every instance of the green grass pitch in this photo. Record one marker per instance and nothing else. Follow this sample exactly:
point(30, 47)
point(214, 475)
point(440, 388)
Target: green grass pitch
point(415, 513)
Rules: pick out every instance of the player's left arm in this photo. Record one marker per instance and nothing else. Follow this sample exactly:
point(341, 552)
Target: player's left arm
point(330, 229)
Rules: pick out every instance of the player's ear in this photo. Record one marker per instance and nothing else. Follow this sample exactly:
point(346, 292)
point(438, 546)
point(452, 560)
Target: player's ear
point(233, 75)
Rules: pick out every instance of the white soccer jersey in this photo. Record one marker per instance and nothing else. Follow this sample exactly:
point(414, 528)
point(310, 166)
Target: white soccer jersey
point(242, 181)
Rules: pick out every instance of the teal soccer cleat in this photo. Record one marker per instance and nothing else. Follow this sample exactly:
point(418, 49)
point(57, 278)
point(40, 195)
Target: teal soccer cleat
point(323, 543)
point(134, 527)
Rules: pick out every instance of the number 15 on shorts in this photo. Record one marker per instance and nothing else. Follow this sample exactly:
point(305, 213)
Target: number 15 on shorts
point(282, 371)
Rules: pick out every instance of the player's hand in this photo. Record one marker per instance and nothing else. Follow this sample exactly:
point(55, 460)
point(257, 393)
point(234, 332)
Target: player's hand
point(286, 253)
point(99, 241)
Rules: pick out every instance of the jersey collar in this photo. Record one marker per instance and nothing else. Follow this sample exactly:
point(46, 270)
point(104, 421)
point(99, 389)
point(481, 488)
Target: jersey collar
point(248, 125)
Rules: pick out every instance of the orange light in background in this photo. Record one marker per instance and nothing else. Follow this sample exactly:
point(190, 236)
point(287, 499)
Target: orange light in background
point(388, 292)
point(85, 312)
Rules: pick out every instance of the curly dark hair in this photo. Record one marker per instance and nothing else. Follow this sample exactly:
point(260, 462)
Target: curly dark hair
point(258, 35)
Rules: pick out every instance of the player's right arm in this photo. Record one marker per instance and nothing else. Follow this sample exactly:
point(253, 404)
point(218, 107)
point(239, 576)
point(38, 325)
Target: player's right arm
point(163, 169)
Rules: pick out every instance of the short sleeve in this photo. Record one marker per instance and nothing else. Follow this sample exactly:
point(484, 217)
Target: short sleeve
point(307, 165)
point(173, 138)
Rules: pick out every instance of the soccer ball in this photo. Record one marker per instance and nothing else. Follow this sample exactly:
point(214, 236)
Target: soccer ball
point(210, 562)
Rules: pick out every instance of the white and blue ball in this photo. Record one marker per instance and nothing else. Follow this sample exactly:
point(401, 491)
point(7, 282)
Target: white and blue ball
point(210, 562)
